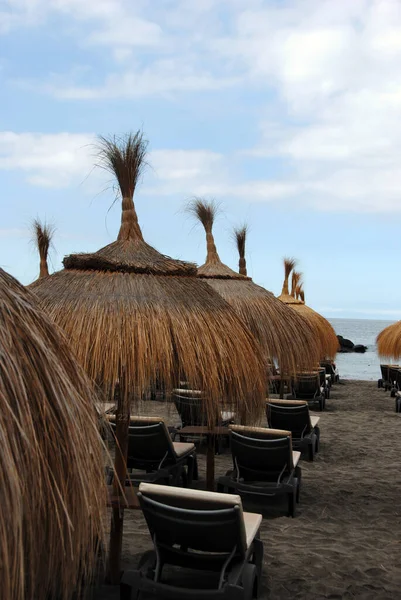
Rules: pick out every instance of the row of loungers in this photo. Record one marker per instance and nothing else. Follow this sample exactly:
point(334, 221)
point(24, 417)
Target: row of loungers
point(391, 381)
point(209, 531)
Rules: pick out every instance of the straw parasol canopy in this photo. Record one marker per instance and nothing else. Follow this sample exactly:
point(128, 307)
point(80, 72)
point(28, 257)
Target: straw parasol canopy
point(135, 316)
point(389, 341)
point(52, 479)
point(323, 332)
point(281, 335)
point(42, 236)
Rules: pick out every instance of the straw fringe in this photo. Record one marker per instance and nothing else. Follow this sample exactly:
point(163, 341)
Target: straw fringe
point(158, 327)
point(389, 341)
point(51, 461)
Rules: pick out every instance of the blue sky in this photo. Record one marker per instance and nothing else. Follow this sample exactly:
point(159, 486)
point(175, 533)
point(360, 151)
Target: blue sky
point(287, 112)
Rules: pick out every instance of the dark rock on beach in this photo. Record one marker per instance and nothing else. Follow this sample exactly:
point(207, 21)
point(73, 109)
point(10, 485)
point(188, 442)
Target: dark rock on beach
point(348, 346)
point(360, 348)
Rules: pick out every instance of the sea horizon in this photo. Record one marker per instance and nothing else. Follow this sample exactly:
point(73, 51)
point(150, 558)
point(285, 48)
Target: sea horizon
point(360, 331)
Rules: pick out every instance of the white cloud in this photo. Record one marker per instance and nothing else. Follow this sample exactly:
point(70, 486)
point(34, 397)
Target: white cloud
point(48, 160)
point(335, 117)
point(334, 67)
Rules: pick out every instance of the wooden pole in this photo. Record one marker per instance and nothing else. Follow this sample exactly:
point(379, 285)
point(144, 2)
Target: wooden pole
point(210, 462)
point(120, 472)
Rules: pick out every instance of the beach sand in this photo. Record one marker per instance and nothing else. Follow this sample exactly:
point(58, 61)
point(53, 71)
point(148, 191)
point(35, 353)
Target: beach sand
point(345, 541)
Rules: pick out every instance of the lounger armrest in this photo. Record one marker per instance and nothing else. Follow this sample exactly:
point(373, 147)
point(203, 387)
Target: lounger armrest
point(295, 457)
point(314, 420)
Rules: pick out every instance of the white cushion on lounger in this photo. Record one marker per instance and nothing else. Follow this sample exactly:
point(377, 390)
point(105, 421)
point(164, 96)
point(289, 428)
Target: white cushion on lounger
point(252, 523)
point(181, 448)
point(190, 494)
point(314, 420)
point(295, 457)
point(227, 415)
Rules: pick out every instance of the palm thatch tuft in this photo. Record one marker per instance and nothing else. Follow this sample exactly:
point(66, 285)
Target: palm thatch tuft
point(240, 237)
point(43, 235)
point(205, 212)
point(324, 334)
point(295, 282)
point(289, 264)
point(300, 293)
point(51, 461)
point(125, 158)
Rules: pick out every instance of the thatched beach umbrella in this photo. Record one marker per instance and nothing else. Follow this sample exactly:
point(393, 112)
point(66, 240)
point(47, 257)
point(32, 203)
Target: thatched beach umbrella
point(281, 334)
point(42, 235)
point(134, 316)
point(389, 341)
point(52, 491)
point(323, 331)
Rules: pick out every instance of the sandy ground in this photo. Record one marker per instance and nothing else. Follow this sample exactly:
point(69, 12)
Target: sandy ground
point(345, 541)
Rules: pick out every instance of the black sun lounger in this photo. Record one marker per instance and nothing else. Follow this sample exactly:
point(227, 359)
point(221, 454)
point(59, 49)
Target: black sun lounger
point(193, 530)
point(154, 457)
point(264, 465)
point(306, 386)
point(294, 416)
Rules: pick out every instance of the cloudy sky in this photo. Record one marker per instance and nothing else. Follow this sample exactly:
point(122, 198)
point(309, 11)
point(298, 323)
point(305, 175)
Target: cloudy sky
point(288, 112)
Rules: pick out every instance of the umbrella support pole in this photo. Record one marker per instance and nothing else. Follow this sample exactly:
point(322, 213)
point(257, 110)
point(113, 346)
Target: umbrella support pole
point(210, 462)
point(120, 470)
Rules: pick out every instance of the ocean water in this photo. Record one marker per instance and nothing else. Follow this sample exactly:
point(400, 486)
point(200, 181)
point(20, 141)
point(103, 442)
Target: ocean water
point(359, 331)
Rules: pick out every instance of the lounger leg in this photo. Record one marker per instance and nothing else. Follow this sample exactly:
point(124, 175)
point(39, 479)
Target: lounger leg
point(311, 449)
point(192, 466)
point(298, 474)
point(176, 473)
point(317, 432)
point(257, 560)
point(130, 585)
point(292, 500)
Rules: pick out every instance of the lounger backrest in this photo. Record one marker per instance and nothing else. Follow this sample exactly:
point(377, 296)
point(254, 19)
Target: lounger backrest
point(291, 415)
point(330, 370)
point(393, 373)
point(148, 444)
point(194, 519)
point(189, 405)
point(322, 375)
point(261, 454)
point(307, 385)
point(385, 372)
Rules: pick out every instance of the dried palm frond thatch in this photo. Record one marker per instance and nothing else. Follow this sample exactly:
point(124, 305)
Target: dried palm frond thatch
point(43, 235)
point(52, 478)
point(324, 333)
point(295, 281)
point(389, 341)
point(281, 335)
point(240, 238)
point(289, 265)
point(134, 316)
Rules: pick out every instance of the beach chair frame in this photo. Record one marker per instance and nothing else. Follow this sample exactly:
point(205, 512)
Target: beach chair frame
point(306, 386)
point(294, 416)
point(263, 465)
point(196, 530)
point(152, 452)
